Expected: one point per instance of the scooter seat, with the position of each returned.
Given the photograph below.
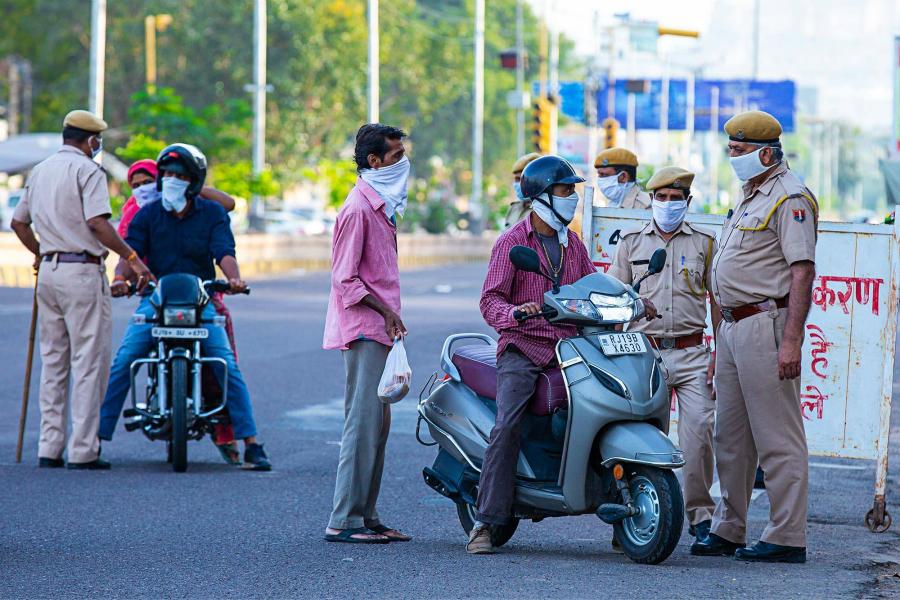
(477, 367)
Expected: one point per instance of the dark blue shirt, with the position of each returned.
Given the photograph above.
(188, 245)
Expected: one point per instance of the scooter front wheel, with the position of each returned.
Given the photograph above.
(500, 534)
(650, 536)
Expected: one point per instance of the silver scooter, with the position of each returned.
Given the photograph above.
(594, 440)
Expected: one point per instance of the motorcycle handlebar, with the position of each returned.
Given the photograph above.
(220, 285)
(521, 316)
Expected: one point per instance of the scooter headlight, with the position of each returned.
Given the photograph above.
(179, 317)
(581, 307)
(614, 308)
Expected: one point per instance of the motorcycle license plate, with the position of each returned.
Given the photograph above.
(617, 344)
(180, 333)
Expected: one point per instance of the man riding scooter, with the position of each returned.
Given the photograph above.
(183, 233)
(525, 349)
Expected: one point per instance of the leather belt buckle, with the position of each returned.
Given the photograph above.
(668, 343)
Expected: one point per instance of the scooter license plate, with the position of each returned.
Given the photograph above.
(617, 344)
(179, 333)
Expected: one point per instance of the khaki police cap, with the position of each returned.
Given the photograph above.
(523, 161)
(85, 120)
(671, 177)
(616, 157)
(753, 127)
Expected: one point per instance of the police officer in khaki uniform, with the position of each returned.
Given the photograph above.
(617, 179)
(762, 278)
(679, 295)
(521, 206)
(67, 200)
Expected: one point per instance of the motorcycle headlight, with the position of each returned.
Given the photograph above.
(614, 308)
(179, 317)
(582, 307)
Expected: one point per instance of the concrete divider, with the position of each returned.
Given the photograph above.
(263, 255)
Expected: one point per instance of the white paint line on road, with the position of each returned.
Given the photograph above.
(838, 466)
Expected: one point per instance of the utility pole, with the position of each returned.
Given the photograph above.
(475, 208)
(12, 111)
(520, 79)
(153, 24)
(755, 39)
(373, 62)
(259, 107)
(554, 80)
(714, 151)
(98, 57)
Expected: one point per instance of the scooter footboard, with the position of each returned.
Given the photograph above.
(639, 443)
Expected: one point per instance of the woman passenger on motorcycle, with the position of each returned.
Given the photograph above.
(142, 175)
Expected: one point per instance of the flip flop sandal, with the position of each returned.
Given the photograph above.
(383, 530)
(346, 536)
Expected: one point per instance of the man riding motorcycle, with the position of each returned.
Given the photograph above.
(525, 349)
(183, 233)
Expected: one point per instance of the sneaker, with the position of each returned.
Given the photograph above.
(480, 540)
(51, 463)
(255, 458)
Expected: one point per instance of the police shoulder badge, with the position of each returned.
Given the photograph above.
(799, 215)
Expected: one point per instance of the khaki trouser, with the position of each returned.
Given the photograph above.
(758, 415)
(76, 331)
(696, 415)
(367, 423)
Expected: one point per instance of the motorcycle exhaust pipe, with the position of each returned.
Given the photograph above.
(614, 513)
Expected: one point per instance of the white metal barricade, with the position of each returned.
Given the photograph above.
(848, 354)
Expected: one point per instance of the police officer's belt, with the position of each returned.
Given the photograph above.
(72, 257)
(677, 343)
(733, 315)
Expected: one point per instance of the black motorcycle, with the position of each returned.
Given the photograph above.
(180, 403)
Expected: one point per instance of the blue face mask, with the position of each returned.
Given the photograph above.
(517, 186)
(173, 194)
(145, 194)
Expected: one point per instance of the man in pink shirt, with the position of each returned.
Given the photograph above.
(363, 321)
(526, 348)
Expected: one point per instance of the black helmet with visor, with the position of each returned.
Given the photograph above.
(183, 159)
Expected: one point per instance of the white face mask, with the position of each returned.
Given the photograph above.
(669, 215)
(748, 166)
(390, 182)
(565, 206)
(517, 187)
(614, 191)
(145, 194)
(173, 190)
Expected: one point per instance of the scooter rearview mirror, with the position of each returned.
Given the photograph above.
(525, 259)
(657, 261)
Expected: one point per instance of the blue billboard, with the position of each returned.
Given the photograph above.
(735, 95)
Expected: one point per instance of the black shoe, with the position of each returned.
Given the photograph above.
(713, 545)
(95, 465)
(760, 482)
(50, 463)
(255, 458)
(766, 552)
(701, 529)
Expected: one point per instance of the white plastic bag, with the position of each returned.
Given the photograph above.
(395, 380)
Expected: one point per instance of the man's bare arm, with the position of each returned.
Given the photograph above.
(802, 275)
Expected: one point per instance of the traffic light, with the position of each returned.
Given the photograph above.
(611, 128)
(543, 125)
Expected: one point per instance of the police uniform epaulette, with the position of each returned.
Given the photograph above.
(632, 230)
(703, 231)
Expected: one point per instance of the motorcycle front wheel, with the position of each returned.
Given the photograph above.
(179, 368)
(500, 534)
(650, 536)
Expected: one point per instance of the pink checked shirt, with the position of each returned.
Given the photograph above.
(506, 287)
(364, 261)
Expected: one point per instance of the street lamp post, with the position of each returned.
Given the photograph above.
(98, 57)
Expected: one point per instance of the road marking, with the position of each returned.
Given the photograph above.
(329, 416)
(838, 466)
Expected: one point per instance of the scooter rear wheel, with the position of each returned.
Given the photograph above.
(650, 536)
(500, 534)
